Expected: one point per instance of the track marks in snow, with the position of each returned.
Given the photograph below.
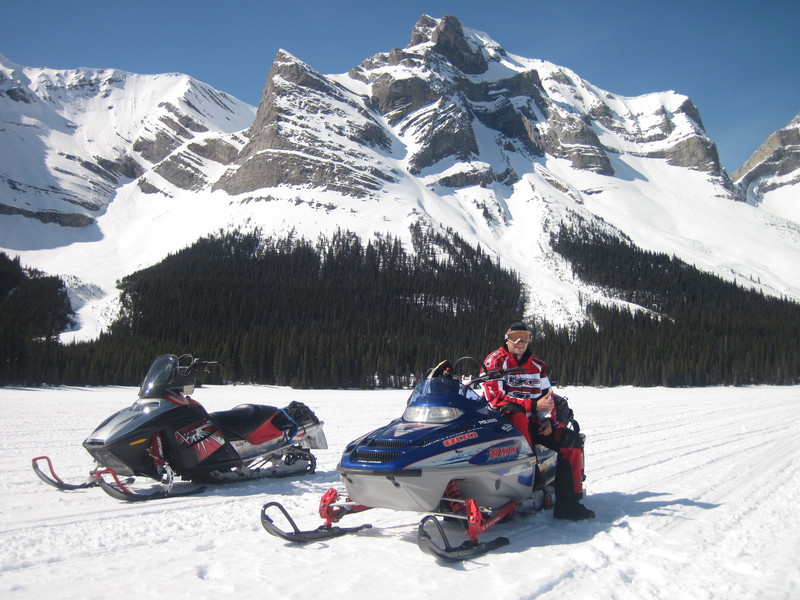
(695, 493)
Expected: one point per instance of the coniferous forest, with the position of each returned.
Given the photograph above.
(696, 330)
(339, 312)
(335, 313)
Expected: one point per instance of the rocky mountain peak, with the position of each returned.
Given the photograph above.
(774, 165)
(448, 40)
(304, 133)
(422, 31)
(434, 97)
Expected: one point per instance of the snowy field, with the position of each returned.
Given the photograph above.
(695, 492)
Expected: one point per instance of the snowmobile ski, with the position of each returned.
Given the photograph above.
(55, 480)
(323, 532)
(121, 491)
(467, 551)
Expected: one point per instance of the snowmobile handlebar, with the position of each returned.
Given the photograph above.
(195, 365)
(493, 374)
(446, 370)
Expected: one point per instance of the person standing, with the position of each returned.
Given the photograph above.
(526, 399)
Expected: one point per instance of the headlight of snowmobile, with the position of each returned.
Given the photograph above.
(145, 407)
(431, 414)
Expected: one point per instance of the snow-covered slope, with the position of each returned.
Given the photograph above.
(92, 130)
(693, 500)
(451, 131)
(81, 154)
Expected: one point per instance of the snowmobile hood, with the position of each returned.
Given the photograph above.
(473, 433)
(135, 418)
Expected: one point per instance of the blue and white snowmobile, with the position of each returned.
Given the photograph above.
(451, 455)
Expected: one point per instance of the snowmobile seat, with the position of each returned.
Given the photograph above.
(241, 421)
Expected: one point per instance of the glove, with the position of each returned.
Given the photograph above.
(545, 403)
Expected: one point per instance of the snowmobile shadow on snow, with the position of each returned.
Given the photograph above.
(289, 486)
(618, 505)
(610, 509)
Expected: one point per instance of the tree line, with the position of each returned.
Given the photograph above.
(335, 313)
(34, 310)
(340, 312)
(693, 329)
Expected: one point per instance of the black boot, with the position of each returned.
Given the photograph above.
(572, 511)
(568, 501)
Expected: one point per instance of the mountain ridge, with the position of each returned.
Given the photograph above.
(452, 131)
(100, 128)
(771, 176)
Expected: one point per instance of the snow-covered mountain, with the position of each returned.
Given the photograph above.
(105, 172)
(70, 139)
(454, 110)
(771, 177)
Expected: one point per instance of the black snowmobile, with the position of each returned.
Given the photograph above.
(166, 433)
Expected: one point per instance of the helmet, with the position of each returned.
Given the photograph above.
(517, 326)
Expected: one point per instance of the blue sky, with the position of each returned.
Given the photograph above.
(738, 60)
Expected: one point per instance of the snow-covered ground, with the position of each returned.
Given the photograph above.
(695, 492)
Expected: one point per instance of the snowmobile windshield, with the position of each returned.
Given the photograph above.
(158, 376)
(162, 373)
(441, 388)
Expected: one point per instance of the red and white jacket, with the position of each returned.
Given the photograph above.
(522, 388)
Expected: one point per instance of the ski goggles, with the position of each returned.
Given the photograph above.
(519, 338)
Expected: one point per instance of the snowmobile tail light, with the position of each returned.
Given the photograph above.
(431, 414)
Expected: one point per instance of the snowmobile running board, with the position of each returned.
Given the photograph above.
(321, 533)
(120, 491)
(55, 480)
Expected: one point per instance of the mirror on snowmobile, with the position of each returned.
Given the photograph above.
(443, 369)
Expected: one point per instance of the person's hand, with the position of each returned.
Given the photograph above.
(546, 428)
(546, 403)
